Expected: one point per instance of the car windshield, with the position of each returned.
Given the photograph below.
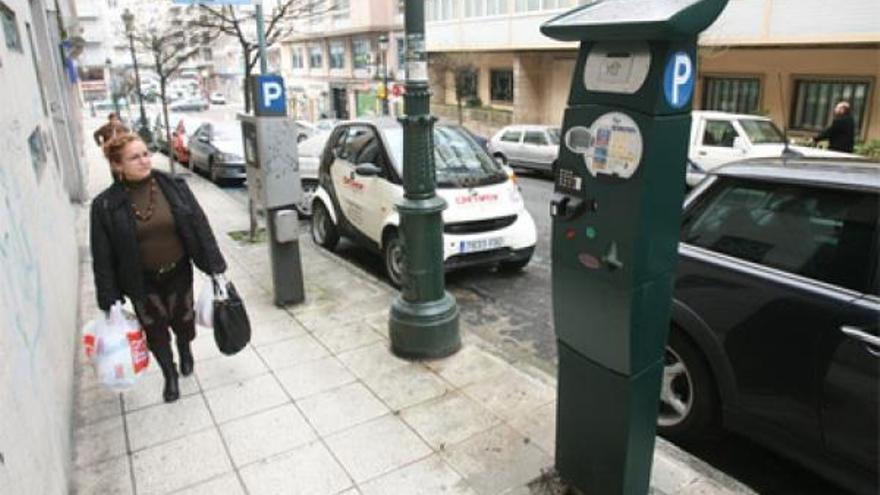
(226, 132)
(459, 161)
(554, 136)
(762, 131)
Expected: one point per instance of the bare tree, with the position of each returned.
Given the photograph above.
(169, 49)
(464, 74)
(279, 25)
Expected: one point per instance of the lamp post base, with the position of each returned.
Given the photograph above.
(424, 329)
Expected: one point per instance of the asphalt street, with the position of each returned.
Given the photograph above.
(514, 311)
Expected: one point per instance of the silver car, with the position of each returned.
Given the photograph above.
(526, 146)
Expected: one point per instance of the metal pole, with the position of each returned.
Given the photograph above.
(385, 109)
(424, 317)
(261, 37)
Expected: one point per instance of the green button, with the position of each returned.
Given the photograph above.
(591, 232)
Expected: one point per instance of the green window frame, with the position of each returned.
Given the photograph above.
(814, 99)
(732, 94)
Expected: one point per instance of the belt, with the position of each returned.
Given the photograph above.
(165, 270)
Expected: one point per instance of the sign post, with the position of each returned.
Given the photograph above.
(274, 183)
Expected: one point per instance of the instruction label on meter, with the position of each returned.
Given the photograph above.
(611, 146)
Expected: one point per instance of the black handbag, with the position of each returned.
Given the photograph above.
(232, 330)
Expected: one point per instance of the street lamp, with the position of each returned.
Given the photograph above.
(143, 128)
(111, 85)
(383, 52)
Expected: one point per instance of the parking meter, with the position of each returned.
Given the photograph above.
(616, 209)
(273, 181)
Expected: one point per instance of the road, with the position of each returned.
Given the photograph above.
(514, 311)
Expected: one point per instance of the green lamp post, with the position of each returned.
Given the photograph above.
(424, 318)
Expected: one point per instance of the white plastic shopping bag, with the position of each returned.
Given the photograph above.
(205, 305)
(117, 347)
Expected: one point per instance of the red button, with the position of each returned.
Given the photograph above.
(570, 233)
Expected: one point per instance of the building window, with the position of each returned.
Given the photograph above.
(342, 9)
(10, 28)
(732, 94)
(337, 55)
(296, 58)
(527, 5)
(501, 88)
(316, 57)
(473, 8)
(360, 53)
(466, 83)
(814, 100)
(496, 7)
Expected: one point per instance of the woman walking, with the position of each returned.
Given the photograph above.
(146, 232)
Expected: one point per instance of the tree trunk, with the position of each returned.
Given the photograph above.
(162, 81)
(460, 116)
(252, 211)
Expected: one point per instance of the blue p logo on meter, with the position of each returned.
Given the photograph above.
(678, 80)
(270, 96)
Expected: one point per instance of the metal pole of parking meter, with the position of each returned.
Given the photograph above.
(424, 317)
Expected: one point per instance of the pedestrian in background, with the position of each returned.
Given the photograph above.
(114, 127)
(146, 231)
(841, 133)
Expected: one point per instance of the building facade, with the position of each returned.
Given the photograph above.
(788, 59)
(335, 66)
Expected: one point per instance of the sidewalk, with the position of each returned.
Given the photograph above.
(317, 404)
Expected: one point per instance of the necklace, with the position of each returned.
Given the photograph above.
(151, 207)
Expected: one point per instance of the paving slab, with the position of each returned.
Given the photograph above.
(266, 434)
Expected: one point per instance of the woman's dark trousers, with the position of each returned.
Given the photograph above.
(169, 303)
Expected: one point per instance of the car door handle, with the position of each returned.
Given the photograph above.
(871, 341)
(703, 153)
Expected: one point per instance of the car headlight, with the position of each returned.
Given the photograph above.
(230, 157)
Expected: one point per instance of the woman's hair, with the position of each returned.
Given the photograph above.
(114, 146)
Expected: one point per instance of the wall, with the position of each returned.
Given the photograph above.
(774, 64)
(38, 275)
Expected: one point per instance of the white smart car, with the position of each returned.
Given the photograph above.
(360, 181)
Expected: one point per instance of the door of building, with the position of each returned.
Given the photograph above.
(340, 102)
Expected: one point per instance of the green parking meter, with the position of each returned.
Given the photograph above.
(616, 209)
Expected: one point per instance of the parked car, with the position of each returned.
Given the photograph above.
(486, 222)
(309, 153)
(190, 104)
(526, 146)
(776, 312)
(217, 98)
(216, 149)
(326, 124)
(305, 130)
(719, 137)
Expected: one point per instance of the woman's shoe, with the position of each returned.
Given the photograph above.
(186, 359)
(171, 392)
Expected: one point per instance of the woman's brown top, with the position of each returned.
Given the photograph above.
(156, 232)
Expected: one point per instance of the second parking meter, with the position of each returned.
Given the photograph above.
(616, 210)
(273, 182)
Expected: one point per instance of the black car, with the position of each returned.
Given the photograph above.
(776, 311)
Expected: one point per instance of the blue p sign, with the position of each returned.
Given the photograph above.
(678, 79)
(270, 97)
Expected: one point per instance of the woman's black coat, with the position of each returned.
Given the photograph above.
(115, 251)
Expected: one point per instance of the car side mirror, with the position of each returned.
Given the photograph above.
(740, 144)
(368, 170)
(204, 139)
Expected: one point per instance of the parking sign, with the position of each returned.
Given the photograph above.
(269, 98)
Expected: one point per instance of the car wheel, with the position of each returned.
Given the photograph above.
(323, 230)
(689, 402)
(392, 255)
(304, 207)
(500, 156)
(514, 266)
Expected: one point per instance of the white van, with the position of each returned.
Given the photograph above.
(360, 181)
(719, 137)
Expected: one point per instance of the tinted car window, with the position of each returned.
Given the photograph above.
(719, 133)
(825, 234)
(511, 136)
(536, 138)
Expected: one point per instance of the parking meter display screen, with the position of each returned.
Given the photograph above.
(602, 12)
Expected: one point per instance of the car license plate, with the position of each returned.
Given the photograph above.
(480, 244)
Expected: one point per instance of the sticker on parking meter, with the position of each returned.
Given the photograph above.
(611, 146)
(678, 80)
